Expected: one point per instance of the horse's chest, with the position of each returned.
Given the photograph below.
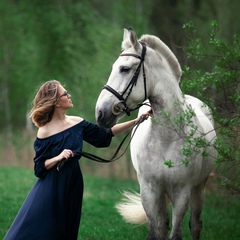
(159, 151)
(150, 156)
(149, 150)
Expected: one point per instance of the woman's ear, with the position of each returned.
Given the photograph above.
(57, 105)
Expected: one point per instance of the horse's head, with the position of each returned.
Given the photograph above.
(146, 69)
(126, 87)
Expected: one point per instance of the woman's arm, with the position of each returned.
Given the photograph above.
(66, 153)
(122, 127)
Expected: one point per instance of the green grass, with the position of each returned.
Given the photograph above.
(100, 221)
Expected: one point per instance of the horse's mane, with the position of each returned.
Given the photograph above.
(156, 44)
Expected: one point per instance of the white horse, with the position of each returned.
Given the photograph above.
(180, 134)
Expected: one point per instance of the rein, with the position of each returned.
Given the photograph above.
(123, 100)
(132, 83)
(102, 160)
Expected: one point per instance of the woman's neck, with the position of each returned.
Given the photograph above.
(59, 116)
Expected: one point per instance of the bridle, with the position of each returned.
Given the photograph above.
(123, 101)
(132, 83)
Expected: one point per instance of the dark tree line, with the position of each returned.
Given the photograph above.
(76, 42)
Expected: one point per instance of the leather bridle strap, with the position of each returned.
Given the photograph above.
(132, 83)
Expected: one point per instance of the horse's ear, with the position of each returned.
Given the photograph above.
(134, 40)
(126, 34)
(130, 35)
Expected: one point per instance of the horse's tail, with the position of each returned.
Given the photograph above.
(131, 208)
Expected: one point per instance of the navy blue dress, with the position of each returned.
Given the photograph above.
(52, 209)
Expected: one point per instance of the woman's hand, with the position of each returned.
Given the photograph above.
(121, 127)
(144, 116)
(66, 153)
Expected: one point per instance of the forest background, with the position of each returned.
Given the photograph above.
(76, 42)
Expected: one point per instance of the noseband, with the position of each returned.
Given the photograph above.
(132, 83)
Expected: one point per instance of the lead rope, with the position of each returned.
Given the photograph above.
(114, 157)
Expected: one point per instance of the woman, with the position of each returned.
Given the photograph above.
(52, 210)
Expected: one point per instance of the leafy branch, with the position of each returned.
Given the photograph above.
(218, 85)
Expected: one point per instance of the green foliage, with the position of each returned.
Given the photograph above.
(169, 163)
(75, 42)
(194, 143)
(218, 85)
(214, 77)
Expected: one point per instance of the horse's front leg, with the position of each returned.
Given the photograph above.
(196, 204)
(154, 203)
(180, 201)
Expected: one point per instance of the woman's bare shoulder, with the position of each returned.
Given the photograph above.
(43, 132)
(74, 119)
(52, 128)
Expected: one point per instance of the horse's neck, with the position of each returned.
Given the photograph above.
(167, 100)
(166, 109)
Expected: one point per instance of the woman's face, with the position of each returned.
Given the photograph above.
(64, 99)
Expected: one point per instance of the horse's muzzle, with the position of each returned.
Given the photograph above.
(105, 120)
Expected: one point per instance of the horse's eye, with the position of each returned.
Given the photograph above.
(124, 69)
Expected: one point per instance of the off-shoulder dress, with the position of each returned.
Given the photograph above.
(52, 209)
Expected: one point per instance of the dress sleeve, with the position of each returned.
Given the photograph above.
(42, 153)
(97, 136)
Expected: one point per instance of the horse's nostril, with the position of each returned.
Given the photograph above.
(116, 109)
(99, 115)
